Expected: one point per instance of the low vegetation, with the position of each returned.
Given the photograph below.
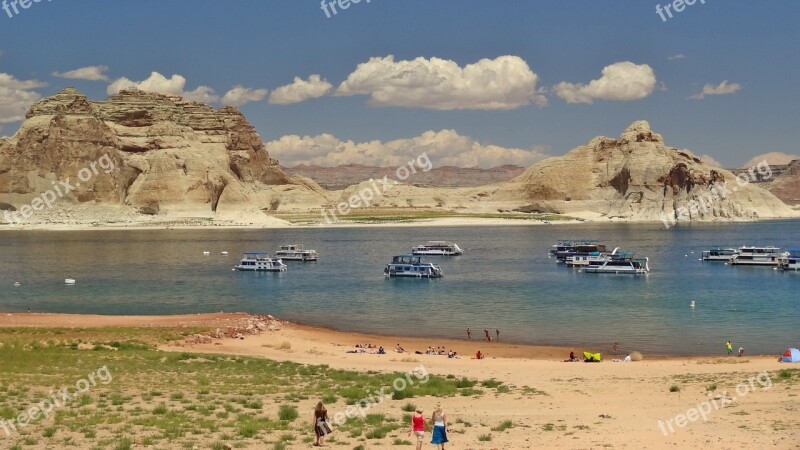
(186, 400)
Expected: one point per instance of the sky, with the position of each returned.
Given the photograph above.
(471, 83)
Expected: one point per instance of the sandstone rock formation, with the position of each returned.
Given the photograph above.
(637, 177)
(786, 185)
(169, 156)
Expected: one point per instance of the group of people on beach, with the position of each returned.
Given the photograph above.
(417, 426)
(486, 334)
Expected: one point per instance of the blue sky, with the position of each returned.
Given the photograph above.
(265, 44)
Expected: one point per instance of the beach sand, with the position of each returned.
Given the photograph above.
(552, 404)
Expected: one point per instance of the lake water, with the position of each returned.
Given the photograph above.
(504, 280)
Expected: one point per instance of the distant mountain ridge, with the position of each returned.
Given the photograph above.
(340, 177)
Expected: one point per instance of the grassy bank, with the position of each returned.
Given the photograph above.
(184, 400)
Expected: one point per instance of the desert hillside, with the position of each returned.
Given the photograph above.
(143, 153)
(144, 156)
(340, 177)
(638, 177)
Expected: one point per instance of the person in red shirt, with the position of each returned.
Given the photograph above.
(418, 426)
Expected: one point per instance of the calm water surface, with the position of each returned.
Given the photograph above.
(505, 280)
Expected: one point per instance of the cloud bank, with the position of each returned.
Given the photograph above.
(445, 148)
(503, 83)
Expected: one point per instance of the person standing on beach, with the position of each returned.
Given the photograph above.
(486, 333)
(418, 427)
(469, 333)
(729, 347)
(439, 419)
(321, 427)
(497, 332)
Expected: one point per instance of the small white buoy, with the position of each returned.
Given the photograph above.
(692, 305)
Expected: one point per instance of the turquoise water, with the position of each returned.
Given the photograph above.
(505, 280)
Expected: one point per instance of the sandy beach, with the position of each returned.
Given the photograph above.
(553, 404)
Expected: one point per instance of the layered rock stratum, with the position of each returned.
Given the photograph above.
(786, 185)
(638, 177)
(170, 157)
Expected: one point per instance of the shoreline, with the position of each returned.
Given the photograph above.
(334, 336)
(276, 223)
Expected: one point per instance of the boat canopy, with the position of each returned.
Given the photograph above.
(406, 259)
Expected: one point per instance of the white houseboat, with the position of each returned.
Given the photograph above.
(260, 262)
(620, 265)
(295, 252)
(587, 260)
(758, 256)
(437, 248)
(719, 254)
(411, 266)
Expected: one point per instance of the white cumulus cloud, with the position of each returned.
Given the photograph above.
(300, 90)
(239, 95)
(444, 148)
(723, 88)
(503, 83)
(622, 81)
(161, 84)
(91, 73)
(16, 96)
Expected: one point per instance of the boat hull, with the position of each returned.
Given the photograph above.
(411, 275)
(435, 253)
(261, 269)
(754, 262)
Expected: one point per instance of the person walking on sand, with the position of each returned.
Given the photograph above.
(439, 419)
(418, 427)
(469, 333)
(729, 347)
(321, 427)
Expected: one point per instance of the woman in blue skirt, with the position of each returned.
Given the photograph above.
(439, 419)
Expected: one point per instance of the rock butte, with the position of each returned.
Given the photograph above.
(177, 159)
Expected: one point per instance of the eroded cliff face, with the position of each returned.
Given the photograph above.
(786, 186)
(637, 177)
(168, 155)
